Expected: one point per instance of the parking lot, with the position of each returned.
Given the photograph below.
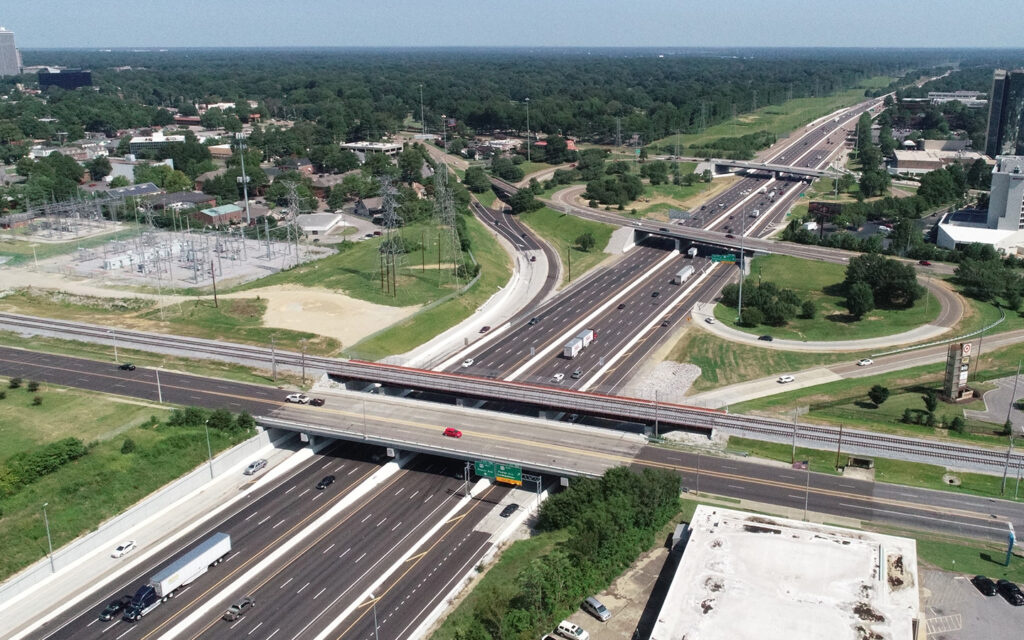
(955, 610)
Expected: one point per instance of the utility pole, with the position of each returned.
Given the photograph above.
(1009, 450)
(528, 145)
(423, 122)
(743, 233)
(214, 277)
(49, 540)
(243, 179)
(839, 445)
(273, 357)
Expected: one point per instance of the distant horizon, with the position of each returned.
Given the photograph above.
(855, 24)
(159, 48)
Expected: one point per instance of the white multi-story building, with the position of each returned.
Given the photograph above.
(10, 57)
(155, 141)
(1003, 226)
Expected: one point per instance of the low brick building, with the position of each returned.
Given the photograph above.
(221, 216)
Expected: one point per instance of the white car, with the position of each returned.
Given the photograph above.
(709, 320)
(865, 362)
(636, 223)
(255, 466)
(123, 549)
(299, 398)
(785, 379)
(468, 362)
(558, 377)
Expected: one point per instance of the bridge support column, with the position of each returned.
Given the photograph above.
(472, 403)
(550, 414)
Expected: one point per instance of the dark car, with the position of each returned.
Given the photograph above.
(730, 236)
(924, 263)
(114, 608)
(1010, 592)
(316, 402)
(662, 229)
(533, 321)
(127, 367)
(509, 510)
(655, 294)
(622, 305)
(984, 585)
(765, 337)
(664, 323)
(326, 482)
(485, 328)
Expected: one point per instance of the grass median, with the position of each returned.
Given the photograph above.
(561, 231)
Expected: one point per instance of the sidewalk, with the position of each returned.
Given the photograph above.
(64, 589)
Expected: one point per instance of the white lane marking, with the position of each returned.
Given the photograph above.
(273, 634)
(286, 583)
(290, 490)
(360, 557)
(344, 552)
(278, 524)
(251, 515)
(125, 633)
(304, 492)
(319, 592)
(368, 516)
(328, 548)
(255, 628)
(381, 522)
(735, 486)
(262, 521)
(396, 526)
(303, 587)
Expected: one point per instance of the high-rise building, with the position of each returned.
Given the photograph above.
(1006, 201)
(1006, 114)
(10, 57)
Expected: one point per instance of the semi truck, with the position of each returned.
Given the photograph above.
(692, 252)
(181, 572)
(579, 343)
(683, 275)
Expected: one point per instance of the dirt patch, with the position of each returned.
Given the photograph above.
(324, 312)
(896, 573)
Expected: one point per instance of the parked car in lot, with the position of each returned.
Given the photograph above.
(985, 585)
(509, 510)
(239, 609)
(255, 466)
(115, 607)
(127, 367)
(1010, 592)
(297, 398)
(571, 631)
(325, 482)
(594, 607)
(863, 362)
(123, 549)
(468, 362)
(452, 432)
(785, 379)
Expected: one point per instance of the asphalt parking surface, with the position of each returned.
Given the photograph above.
(955, 610)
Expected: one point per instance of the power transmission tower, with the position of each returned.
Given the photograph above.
(444, 209)
(392, 248)
(618, 132)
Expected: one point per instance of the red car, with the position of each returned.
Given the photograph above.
(924, 263)
(452, 432)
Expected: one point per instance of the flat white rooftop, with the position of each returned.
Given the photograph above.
(759, 577)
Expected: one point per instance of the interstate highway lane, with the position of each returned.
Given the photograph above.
(256, 524)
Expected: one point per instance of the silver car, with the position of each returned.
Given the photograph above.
(594, 607)
(255, 466)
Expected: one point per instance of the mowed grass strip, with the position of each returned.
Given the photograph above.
(495, 271)
(778, 119)
(561, 230)
(821, 282)
(723, 362)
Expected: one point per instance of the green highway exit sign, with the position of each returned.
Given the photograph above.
(506, 473)
(725, 257)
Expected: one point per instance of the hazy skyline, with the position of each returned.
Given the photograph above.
(529, 23)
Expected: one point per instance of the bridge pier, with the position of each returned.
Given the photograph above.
(472, 403)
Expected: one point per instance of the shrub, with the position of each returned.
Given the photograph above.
(878, 394)
(3, 394)
(37, 400)
(14, 383)
(908, 417)
(32, 387)
(28, 466)
(128, 446)
(957, 424)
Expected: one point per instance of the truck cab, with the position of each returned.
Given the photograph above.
(145, 599)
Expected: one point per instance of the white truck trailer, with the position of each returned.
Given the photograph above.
(179, 573)
(692, 252)
(582, 340)
(683, 274)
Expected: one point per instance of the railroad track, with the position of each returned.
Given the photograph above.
(938, 452)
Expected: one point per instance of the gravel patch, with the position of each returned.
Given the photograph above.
(670, 380)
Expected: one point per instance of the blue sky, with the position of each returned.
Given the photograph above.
(597, 23)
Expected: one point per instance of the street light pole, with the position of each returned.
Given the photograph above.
(444, 131)
(209, 449)
(49, 541)
(113, 336)
(376, 635)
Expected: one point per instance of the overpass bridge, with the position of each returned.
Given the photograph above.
(501, 186)
(777, 169)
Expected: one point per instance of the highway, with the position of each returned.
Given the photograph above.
(257, 525)
(546, 446)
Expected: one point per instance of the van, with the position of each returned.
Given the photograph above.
(577, 373)
(571, 631)
(594, 607)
